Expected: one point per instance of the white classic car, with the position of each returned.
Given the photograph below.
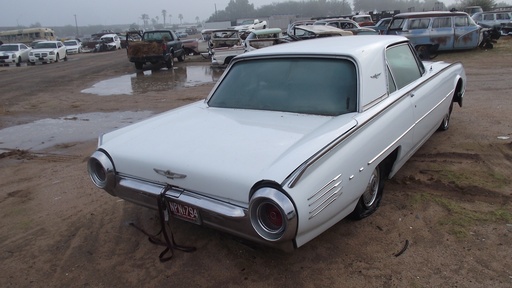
(47, 52)
(14, 53)
(292, 138)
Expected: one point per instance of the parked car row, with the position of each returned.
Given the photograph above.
(42, 52)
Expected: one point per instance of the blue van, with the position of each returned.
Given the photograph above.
(437, 30)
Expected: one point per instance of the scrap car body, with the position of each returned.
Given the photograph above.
(437, 30)
(224, 45)
(292, 138)
(258, 39)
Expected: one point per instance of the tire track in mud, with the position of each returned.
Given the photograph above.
(455, 174)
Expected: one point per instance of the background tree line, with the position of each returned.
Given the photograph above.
(238, 9)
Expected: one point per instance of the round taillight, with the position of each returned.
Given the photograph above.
(273, 215)
(270, 217)
(101, 170)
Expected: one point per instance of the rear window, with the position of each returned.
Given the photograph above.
(297, 85)
(158, 36)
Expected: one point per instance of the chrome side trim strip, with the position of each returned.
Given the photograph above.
(296, 175)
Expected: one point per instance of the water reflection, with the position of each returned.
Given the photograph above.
(48, 132)
(156, 80)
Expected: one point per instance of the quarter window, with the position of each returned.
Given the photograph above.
(461, 21)
(404, 66)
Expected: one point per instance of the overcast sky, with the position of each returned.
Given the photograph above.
(105, 12)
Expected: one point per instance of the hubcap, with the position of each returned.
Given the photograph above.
(370, 194)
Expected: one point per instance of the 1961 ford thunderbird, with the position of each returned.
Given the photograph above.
(292, 139)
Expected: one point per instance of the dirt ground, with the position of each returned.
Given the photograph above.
(449, 207)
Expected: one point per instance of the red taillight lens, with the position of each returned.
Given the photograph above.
(164, 47)
(271, 217)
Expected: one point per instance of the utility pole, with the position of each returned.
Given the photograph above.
(76, 25)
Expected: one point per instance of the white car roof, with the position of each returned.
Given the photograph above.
(351, 46)
(367, 51)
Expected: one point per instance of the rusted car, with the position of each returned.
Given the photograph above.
(264, 38)
(434, 31)
(224, 45)
(316, 31)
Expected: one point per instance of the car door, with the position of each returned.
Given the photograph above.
(24, 50)
(442, 32)
(409, 76)
(467, 33)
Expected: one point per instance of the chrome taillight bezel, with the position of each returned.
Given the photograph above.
(101, 170)
(271, 196)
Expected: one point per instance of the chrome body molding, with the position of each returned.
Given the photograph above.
(325, 196)
(213, 213)
(294, 178)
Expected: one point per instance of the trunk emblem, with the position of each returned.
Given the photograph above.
(169, 174)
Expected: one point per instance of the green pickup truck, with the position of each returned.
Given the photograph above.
(156, 46)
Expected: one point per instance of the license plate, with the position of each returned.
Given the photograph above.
(184, 212)
(41, 58)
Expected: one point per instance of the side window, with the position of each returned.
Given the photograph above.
(404, 66)
(419, 23)
(461, 21)
(445, 22)
(502, 16)
(489, 17)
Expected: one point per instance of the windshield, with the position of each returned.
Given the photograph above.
(70, 43)
(297, 85)
(9, 48)
(45, 45)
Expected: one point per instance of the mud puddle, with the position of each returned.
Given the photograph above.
(156, 80)
(45, 133)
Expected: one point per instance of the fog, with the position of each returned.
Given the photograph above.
(100, 12)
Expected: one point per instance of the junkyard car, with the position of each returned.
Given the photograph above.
(345, 24)
(437, 30)
(382, 26)
(316, 31)
(224, 45)
(251, 25)
(263, 38)
(108, 42)
(292, 138)
(73, 46)
(14, 53)
(47, 52)
(495, 19)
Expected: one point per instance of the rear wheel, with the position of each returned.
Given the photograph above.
(370, 200)
(445, 124)
(66, 57)
(181, 58)
(169, 63)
